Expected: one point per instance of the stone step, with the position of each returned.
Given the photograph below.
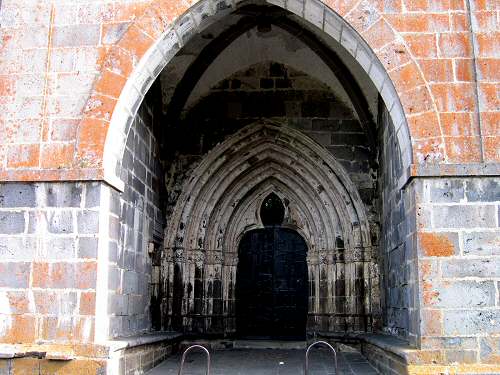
(268, 344)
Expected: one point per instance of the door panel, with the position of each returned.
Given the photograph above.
(271, 284)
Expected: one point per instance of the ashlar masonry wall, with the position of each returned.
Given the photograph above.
(459, 267)
(76, 258)
(397, 258)
(48, 267)
(136, 234)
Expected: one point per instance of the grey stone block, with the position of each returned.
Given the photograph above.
(139, 186)
(115, 203)
(118, 304)
(451, 342)
(462, 216)
(466, 294)
(130, 282)
(34, 221)
(352, 139)
(483, 190)
(136, 304)
(59, 221)
(114, 278)
(485, 268)
(59, 248)
(489, 349)
(114, 228)
(14, 274)
(17, 248)
(481, 243)
(129, 261)
(446, 191)
(113, 251)
(87, 247)
(17, 195)
(116, 326)
(88, 222)
(471, 322)
(11, 222)
(130, 239)
(93, 195)
(64, 195)
(140, 171)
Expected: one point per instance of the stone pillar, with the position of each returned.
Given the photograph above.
(459, 268)
(49, 235)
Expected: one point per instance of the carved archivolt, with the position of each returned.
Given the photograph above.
(221, 200)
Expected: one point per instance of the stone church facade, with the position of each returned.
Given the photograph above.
(140, 142)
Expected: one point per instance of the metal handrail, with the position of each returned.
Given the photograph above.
(193, 347)
(306, 369)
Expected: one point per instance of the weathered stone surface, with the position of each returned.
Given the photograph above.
(14, 274)
(18, 248)
(60, 221)
(450, 342)
(87, 247)
(17, 195)
(460, 356)
(481, 243)
(485, 268)
(93, 195)
(489, 350)
(479, 190)
(471, 322)
(88, 222)
(440, 244)
(447, 191)
(461, 216)
(118, 304)
(64, 195)
(11, 222)
(59, 248)
(465, 294)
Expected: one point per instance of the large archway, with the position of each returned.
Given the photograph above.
(110, 115)
(317, 141)
(221, 202)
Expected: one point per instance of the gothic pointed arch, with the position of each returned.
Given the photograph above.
(224, 196)
(221, 202)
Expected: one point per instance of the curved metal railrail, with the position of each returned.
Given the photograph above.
(188, 350)
(306, 367)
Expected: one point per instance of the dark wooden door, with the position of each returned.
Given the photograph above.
(272, 285)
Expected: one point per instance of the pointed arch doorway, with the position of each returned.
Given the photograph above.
(211, 244)
(272, 279)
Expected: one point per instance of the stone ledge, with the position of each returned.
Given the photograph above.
(128, 342)
(53, 351)
(455, 170)
(66, 352)
(56, 352)
(392, 344)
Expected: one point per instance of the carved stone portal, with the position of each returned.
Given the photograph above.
(222, 201)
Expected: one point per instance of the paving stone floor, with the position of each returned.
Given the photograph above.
(267, 362)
